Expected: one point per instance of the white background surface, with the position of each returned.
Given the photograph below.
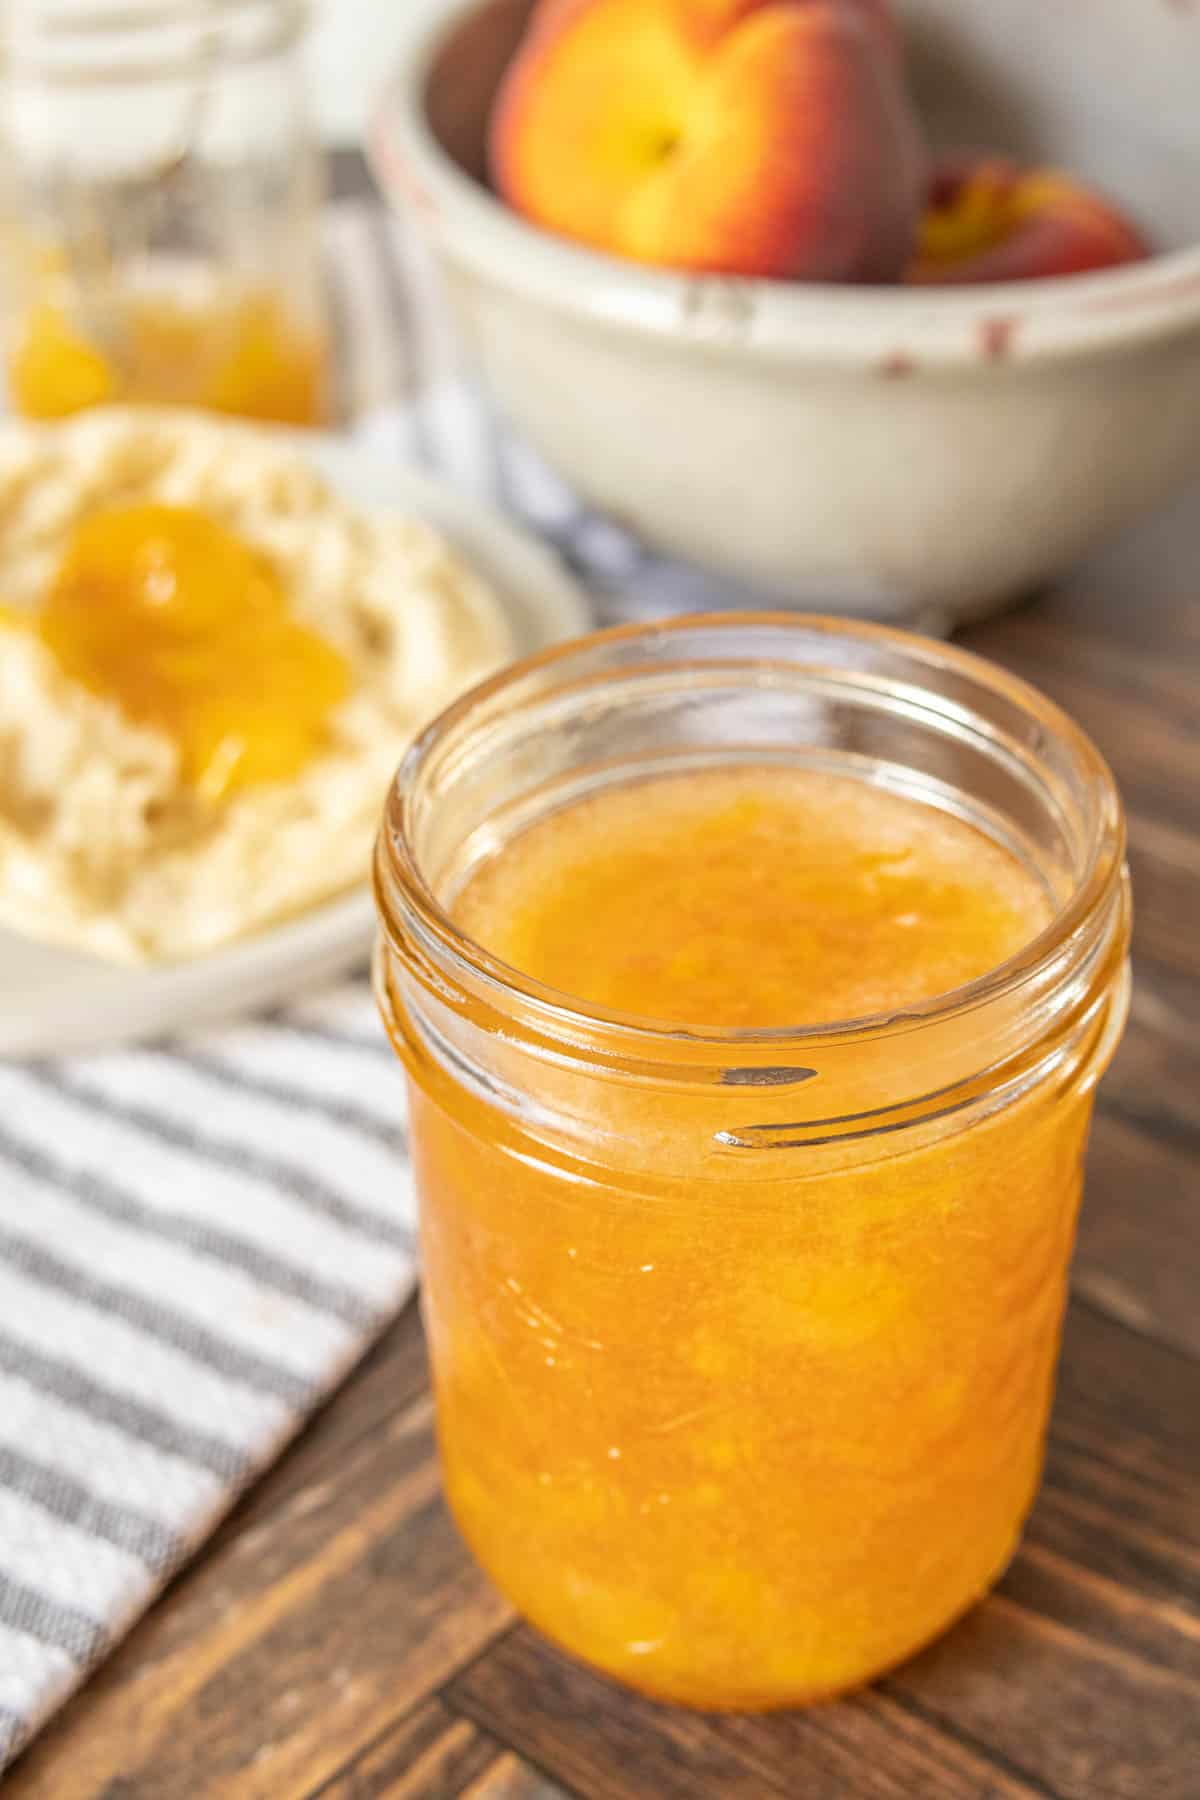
(352, 45)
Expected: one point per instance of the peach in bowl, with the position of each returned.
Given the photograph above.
(923, 451)
(752, 137)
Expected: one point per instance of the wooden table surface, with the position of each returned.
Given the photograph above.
(335, 1638)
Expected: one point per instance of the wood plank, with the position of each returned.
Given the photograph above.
(1124, 1458)
(1142, 707)
(1138, 1253)
(1155, 1075)
(1141, 1195)
(336, 1601)
(434, 1754)
(511, 1779)
(427, 1753)
(1150, 740)
(1139, 591)
(1164, 863)
(1046, 648)
(1084, 1721)
(1079, 1679)
(615, 1745)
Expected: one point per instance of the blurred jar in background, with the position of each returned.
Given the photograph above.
(159, 195)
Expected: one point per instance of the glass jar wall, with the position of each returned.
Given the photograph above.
(160, 190)
(743, 1340)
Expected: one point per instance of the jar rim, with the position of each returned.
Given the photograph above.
(400, 885)
(84, 43)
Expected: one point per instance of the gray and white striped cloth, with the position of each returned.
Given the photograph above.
(197, 1242)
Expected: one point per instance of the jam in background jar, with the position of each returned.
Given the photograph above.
(159, 193)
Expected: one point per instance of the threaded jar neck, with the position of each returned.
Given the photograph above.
(921, 718)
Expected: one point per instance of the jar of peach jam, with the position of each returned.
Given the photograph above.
(159, 194)
(752, 976)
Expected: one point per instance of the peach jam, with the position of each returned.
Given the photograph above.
(752, 976)
(246, 355)
(166, 612)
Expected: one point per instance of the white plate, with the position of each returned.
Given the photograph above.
(54, 1000)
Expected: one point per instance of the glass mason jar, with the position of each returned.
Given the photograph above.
(159, 194)
(744, 1341)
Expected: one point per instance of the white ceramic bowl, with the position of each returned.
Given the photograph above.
(892, 451)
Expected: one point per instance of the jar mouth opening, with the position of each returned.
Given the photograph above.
(404, 892)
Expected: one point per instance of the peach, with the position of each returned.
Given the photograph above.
(986, 219)
(751, 137)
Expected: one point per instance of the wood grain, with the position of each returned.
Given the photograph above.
(1141, 1195)
(1164, 860)
(431, 1754)
(512, 1779)
(1124, 1454)
(1155, 1075)
(427, 1752)
(611, 1745)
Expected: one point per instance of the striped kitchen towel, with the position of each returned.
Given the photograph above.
(195, 1246)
